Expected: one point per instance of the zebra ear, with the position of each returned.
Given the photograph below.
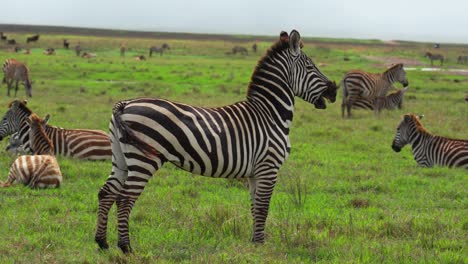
(295, 42)
(45, 120)
(420, 117)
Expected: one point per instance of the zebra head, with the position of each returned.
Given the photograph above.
(404, 129)
(398, 74)
(307, 81)
(28, 85)
(15, 146)
(11, 121)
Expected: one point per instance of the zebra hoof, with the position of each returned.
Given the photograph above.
(102, 243)
(126, 248)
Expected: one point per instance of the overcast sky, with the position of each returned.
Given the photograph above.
(421, 20)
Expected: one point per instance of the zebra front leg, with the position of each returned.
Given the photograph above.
(16, 87)
(263, 191)
(107, 196)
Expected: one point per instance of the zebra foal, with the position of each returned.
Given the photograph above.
(248, 139)
(391, 101)
(40, 170)
(15, 71)
(430, 150)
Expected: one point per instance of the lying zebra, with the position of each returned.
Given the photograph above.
(428, 149)
(40, 170)
(389, 102)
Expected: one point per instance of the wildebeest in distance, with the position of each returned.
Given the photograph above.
(66, 44)
(11, 42)
(32, 38)
(2, 36)
(254, 47)
(239, 49)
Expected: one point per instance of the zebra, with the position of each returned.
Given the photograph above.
(248, 139)
(40, 170)
(78, 49)
(430, 150)
(15, 71)
(15, 146)
(239, 49)
(160, 50)
(49, 51)
(254, 47)
(34, 38)
(88, 55)
(75, 143)
(462, 59)
(66, 44)
(434, 57)
(390, 101)
(123, 48)
(367, 85)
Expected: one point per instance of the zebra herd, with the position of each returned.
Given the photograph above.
(245, 140)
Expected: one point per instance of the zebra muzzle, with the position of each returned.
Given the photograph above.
(396, 148)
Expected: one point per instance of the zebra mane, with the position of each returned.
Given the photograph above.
(37, 121)
(418, 123)
(398, 65)
(21, 105)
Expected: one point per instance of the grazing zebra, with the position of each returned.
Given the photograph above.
(428, 149)
(248, 139)
(239, 49)
(159, 50)
(32, 38)
(75, 143)
(367, 85)
(66, 44)
(15, 71)
(462, 59)
(390, 101)
(434, 57)
(40, 170)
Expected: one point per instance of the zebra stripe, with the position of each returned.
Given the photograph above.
(40, 170)
(15, 71)
(390, 102)
(430, 150)
(75, 143)
(248, 139)
(358, 84)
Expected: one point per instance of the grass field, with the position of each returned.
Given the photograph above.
(343, 195)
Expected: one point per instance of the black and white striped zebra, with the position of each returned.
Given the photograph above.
(160, 50)
(360, 84)
(391, 101)
(433, 57)
(75, 143)
(430, 150)
(15, 71)
(248, 139)
(40, 170)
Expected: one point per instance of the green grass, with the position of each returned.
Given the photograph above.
(343, 196)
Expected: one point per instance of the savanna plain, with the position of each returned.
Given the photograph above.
(343, 195)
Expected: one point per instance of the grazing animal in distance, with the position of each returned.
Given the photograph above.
(15, 71)
(87, 144)
(34, 38)
(66, 44)
(78, 49)
(430, 150)
(248, 139)
(11, 42)
(433, 57)
(40, 170)
(2, 36)
(239, 49)
(254, 47)
(88, 55)
(391, 101)
(360, 84)
(123, 48)
(155, 49)
(140, 58)
(462, 59)
(49, 51)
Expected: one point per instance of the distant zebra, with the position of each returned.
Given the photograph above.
(11, 42)
(430, 150)
(389, 102)
(66, 44)
(78, 49)
(34, 38)
(248, 139)
(40, 170)
(361, 84)
(88, 55)
(155, 49)
(462, 59)
(254, 47)
(434, 57)
(75, 143)
(15, 71)
(239, 49)
(123, 48)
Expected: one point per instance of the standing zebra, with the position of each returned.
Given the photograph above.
(434, 57)
(159, 50)
(390, 102)
(74, 143)
(40, 170)
(367, 85)
(15, 71)
(123, 48)
(428, 149)
(248, 139)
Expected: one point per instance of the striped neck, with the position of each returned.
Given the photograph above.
(391, 73)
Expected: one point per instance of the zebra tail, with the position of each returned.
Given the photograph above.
(127, 136)
(345, 89)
